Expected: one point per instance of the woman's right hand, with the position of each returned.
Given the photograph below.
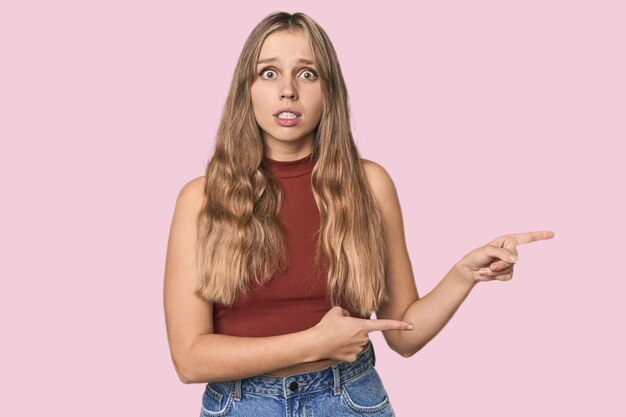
(341, 337)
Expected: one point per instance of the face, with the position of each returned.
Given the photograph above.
(286, 78)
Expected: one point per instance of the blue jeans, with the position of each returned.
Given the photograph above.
(341, 389)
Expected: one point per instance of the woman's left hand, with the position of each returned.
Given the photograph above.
(493, 261)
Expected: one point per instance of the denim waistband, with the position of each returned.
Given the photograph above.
(333, 376)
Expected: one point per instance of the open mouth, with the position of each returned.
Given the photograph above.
(287, 118)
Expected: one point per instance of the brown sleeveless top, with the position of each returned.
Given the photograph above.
(296, 299)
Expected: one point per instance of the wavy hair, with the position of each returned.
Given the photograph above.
(240, 235)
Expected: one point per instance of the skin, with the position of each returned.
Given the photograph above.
(287, 83)
(407, 321)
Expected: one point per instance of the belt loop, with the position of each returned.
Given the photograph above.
(238, 389)
(337, 379)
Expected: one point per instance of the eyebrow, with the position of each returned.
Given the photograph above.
(274, 59)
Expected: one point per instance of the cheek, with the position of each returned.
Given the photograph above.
(319, 106)
(315, 102)
(320, 99)
(257, 98)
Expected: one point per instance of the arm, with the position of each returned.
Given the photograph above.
(198, 354)
(428, 314)
(218, 357)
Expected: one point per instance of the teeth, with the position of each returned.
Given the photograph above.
(287, 115)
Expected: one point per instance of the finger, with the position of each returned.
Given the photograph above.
(500, 265)
(386, 324)
(503, 271)
(522, 238)
(505, 277)
(487, 272)
(503, 254)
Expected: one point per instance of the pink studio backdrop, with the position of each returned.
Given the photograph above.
(492, 117)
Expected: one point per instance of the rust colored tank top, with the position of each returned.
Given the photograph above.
(295, 299)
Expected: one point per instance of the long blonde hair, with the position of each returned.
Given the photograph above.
(240, 235)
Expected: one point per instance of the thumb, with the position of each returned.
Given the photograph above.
(501, 253)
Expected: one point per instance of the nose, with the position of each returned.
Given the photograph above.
(288, 89)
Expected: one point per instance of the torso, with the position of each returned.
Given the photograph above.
(304, 367)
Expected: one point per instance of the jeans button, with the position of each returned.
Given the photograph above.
(293, 386)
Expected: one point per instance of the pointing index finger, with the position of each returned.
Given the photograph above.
(528, 237)
(387, 324)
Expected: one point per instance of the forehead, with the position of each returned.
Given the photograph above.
(286, 46)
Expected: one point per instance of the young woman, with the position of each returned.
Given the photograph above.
(280, 253)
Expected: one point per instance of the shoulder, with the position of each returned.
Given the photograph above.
(379, 180)
(193, 186)
(192, 190)
(374, 170)
(190, 197)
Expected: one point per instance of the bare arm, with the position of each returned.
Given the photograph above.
(496, 259)
(198, 354)
(432, 312)
(218, 357)
(428, 314)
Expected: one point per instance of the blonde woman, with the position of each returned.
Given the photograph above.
(280, 253)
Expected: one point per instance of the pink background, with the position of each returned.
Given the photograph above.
(492, 117)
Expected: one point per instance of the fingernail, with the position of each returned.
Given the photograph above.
(512, 258)
(482, 271)
(410, 327)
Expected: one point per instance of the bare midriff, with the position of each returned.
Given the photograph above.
(303, 367)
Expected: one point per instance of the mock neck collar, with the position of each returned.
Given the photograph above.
(289, 169)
